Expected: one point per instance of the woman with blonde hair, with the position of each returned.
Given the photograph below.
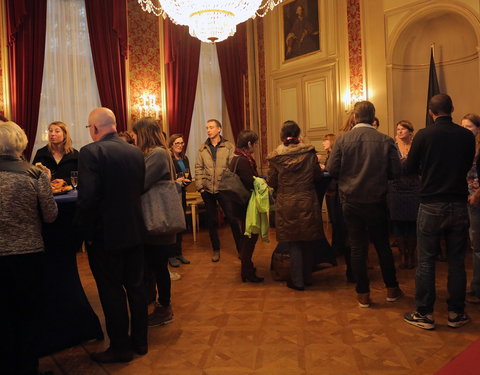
(58, 155)
(158, 248)
(350, 123)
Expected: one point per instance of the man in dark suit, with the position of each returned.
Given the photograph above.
(111, 177)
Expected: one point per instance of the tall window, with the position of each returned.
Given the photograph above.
(69, 88)
(209, 101)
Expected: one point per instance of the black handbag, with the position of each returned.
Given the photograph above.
(232, 186)
(162, 207)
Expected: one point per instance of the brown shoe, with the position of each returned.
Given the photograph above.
(216, 256)
(364, 299)
(112, 355)
(394, 294)
(160, 316)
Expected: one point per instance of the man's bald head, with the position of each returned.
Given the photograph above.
(101, 121)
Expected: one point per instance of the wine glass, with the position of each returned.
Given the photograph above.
(186, 174)
(74, 179)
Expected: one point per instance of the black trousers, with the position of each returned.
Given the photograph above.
(340, 243)
(362, 220)
(21, 279)
(212, 219)
(248, 246)
(156, 273)
(119, 278)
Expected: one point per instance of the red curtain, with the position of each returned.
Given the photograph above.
(107, 28)
(26, 27)
(232, 59)
(182, 58)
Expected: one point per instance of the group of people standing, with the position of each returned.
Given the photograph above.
(374, 177)
(420, 184)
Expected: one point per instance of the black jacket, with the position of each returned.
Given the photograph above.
(442, 154)
(61, 170)
(362, 161)
(111, 176)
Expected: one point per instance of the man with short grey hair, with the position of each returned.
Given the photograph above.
(109, 215)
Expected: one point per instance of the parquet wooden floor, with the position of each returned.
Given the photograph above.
(225, 327)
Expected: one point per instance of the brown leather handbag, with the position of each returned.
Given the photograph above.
(280, 263)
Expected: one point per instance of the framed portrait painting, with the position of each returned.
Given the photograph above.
(301, 29)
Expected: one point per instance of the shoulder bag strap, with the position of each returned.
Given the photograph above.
(236, 164)
(170, 165)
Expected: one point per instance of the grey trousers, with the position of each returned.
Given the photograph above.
(301, 258)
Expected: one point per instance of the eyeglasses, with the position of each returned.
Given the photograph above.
(88, 126)
(179, 143)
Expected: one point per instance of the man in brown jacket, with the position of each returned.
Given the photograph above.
(213, 158)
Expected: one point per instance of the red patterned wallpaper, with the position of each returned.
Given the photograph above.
(144, 57)
(2, 77)
(355, 49)
(263, 90)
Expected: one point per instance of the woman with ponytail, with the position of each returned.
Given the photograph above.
(293, 171)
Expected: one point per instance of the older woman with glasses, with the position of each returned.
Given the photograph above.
(176, 145)
(26, 201)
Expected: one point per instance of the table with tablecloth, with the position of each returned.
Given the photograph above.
(68, 319)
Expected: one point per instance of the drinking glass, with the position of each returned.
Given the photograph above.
(74, 179)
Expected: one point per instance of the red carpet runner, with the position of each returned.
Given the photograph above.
(466, 363)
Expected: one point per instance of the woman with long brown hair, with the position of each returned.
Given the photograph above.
(335, 214)
(58, 155)
(150, 139)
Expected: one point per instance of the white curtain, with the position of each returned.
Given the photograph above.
(69, 87)
(208, 99)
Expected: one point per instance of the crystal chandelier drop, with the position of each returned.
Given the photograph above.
(209, 20)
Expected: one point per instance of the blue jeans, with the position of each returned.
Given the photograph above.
(435, 219)
(474, 215)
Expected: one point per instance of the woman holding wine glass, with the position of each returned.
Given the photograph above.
(58, 155)
(176, 145)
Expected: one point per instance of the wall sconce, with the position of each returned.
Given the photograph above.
(149, 107)
(349, 100)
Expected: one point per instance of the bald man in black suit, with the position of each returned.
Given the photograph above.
(111, 178)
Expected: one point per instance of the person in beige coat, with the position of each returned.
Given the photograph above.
(213, 158)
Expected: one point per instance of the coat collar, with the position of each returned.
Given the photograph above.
(291, 149)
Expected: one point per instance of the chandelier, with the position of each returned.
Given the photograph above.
(209, 20)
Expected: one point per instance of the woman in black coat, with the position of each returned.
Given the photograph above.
(58, 155)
